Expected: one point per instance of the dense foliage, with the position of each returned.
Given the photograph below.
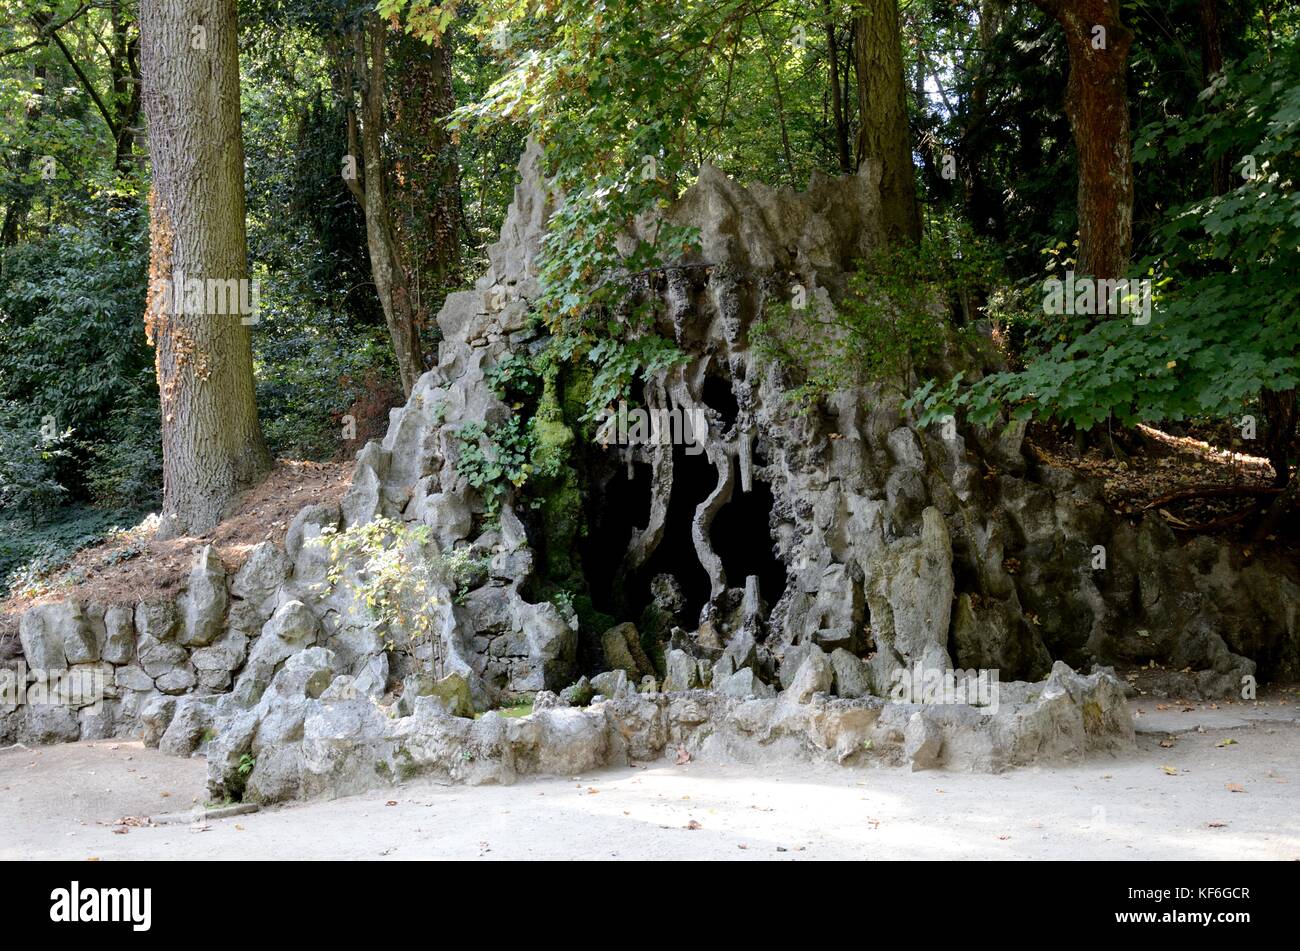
(629, 99)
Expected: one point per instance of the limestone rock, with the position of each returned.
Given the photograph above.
(192, 719)
(57, 635)
(852, 676)
(203, 604)
(261, 575)
(155, 717)
(683, 672)
(912, 593)
(923, 743)
(44, 723)
(119, 634)
(622, 646)
(744, 684)
(578, 694)
(157, 620)
(815, 675)
(451, 693)
(612, 684)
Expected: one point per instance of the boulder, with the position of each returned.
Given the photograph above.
(261, 575)
(683, 672)
(119, 634)
(852, 675)
(922, 742)
(190, 724)
(815, 675)
(157, 620)
(622, 647)
(743, 685)
(203, 604)
(155, 717)
(45, 723)
(293, 623)
(132, 678)
(612, 684)
(161, 657)
(57, 635)
(578, 694)
(451, 693)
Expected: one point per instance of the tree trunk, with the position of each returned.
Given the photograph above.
(386, 266)
(426, 168)
(1281, 416)
(20, 202)
(837, 98)
(124, 74)
(1212, 63)
(882, 103)
(212, 444)
(1096, 103)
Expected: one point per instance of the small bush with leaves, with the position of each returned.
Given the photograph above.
(889, 326)
(395, 575)
(397, 572)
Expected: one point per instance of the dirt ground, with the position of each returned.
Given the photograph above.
(1198, 796)
(133, 565)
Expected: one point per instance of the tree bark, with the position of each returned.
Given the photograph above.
(426, 167)
(1096, 103)
(882, 104)
(211, 441)
(20, 202)
(1211, 64)
(837, 98)
(386, 264)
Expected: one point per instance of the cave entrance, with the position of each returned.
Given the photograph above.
(694, 478)
(742, 537)
(619, 508)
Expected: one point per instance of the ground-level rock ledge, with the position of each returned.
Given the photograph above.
(347, 744)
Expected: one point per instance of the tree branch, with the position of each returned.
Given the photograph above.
(43, 32)
(85, 82)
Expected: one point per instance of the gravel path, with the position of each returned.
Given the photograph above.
(1200, 798)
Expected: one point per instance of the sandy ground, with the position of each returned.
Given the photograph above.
(1199, 798)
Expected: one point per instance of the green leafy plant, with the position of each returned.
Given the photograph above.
(1225, 328)
(890, 324)
(394, 572)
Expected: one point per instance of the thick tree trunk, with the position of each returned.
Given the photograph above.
(426, 167)
(386, 265)
(1096, 103)
(882, 103)
(212, 444)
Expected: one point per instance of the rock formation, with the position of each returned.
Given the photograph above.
(802, 565)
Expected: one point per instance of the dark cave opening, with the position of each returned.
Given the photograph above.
(694, 477)
(619, 508)
(742, 537)
(718, 395)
